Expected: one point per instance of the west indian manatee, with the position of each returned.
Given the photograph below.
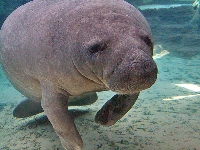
(60, 52)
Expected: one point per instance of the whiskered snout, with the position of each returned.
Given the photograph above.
(135, 73)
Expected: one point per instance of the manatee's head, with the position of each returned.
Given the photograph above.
(114, 47)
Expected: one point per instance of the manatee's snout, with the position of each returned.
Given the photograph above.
(137, 71)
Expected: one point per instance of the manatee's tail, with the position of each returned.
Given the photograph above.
(27, 108)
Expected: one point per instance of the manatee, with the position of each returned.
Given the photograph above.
(59, 53)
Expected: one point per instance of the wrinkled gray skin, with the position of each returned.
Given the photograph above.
(53, 50)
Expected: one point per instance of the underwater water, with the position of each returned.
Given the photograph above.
(165, 116)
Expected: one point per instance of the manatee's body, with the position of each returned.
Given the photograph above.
(54, 49)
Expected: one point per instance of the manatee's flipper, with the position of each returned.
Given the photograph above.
(27, 108)
(84, 99)
(115, 109)
(55, 105)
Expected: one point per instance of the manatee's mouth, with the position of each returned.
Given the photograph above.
(133, 75)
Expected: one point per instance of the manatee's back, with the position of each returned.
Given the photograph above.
(27, 43)
(27, 35)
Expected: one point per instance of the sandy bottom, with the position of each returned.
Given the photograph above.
(166, 116)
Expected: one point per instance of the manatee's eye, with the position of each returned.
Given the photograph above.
(97, 48)
(147, 40)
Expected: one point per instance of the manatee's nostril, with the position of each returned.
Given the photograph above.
(137, 66)
(148, 66)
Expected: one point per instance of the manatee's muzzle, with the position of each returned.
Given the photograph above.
(136, 72)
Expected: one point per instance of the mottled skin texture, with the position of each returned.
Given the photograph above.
(54, 49)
